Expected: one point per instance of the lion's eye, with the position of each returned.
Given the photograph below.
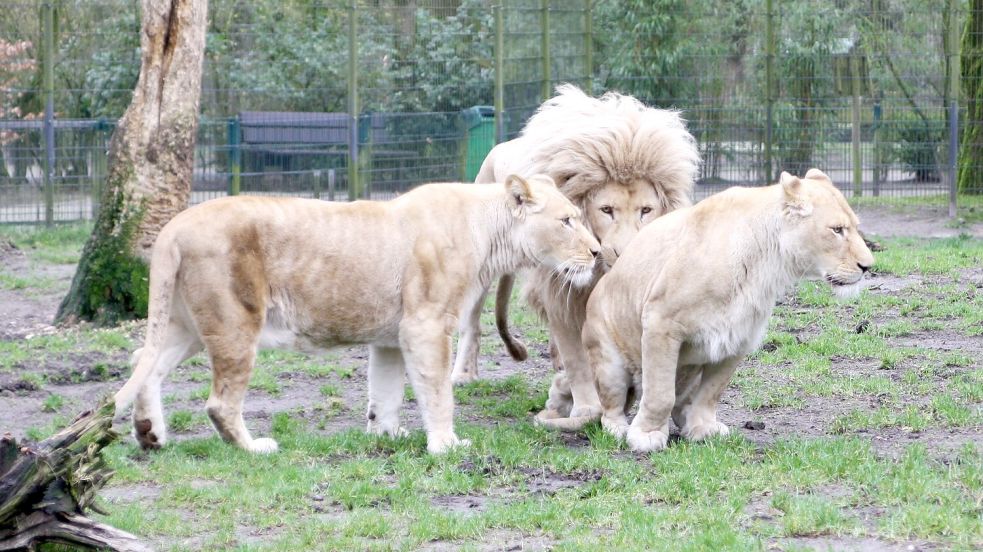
(838, 230)
(565, 221)
(646, 210)
(607, 210)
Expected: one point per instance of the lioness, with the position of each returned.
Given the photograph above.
(624, 164)
(234, 274)
(692, 294)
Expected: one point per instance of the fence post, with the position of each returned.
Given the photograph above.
(99, 164)
(589, 46)
(354, 186)
(48, 76)
(544, 31)
(769, 88)
(499, 74)
(953, 84)
(331, 178)
(235, 159)
(877, 147)
(858, 174)
(317, 183)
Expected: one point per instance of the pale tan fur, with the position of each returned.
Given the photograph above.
(235, 274)
(624, 164)
(692, 294)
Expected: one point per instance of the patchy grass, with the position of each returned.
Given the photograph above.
(872, 409)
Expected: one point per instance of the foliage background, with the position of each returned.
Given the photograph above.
(421, 62)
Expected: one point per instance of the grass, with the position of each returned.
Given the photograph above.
(891, 365)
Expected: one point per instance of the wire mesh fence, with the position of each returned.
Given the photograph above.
(340, 99)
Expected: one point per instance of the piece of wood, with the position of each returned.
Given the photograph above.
(45, 489)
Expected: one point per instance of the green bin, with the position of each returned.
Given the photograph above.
(480, 124)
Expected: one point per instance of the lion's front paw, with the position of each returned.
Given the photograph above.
(445, 444)
(618, 427)
(699, 432)
(394, 431)
(646, 441)
(591, 412)
(264, 445)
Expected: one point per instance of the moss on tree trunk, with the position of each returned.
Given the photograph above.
(969, 174)
(111, 282)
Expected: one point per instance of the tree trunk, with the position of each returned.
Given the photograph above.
(151, 157)
(45, 490)
(969, 175)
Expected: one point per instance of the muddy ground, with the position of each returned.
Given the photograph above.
(80, 376)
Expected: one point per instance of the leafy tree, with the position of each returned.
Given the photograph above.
(970, 169)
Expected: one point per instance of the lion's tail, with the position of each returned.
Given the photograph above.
(164, 263)
(502, 296)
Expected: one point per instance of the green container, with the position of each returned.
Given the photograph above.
(480, 124)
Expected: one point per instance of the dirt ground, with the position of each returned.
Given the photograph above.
(80, 376)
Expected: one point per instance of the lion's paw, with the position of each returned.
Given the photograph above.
(646, 441)
(699, 432)
(618, 427)
(263, 445)
(591, 412)
(444, 445)
(394, 431)
(463, 377)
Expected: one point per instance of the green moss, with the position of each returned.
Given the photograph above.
(111, 283)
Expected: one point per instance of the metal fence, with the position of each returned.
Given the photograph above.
(861, 88)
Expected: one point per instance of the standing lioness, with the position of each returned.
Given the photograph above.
(692, 294)
(235, 274)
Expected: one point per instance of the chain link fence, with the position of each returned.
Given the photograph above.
(367, 98)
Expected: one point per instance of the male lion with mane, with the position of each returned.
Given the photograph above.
(692, 294)
(235, 274)
(624, 164)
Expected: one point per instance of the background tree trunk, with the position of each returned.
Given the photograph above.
(969, 175)
(151, 157)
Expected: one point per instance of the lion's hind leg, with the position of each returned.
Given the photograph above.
(387, 378)
(613, 380)
(230, 379)
(701, 414)
(149, 427)
(469, 343)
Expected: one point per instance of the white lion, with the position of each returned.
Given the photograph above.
(235, 274)
(624, 164)
(692, 293)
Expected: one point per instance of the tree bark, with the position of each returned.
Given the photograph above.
(969, 174)
(151, 160)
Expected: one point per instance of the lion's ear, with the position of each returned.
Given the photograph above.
(816, 174)
(520, 192)
(795, 200)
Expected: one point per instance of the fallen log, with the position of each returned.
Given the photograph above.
(45, 490)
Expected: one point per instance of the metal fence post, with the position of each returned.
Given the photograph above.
(953, 84)
(544, 31)
(589, 46)
(235, 159)
(99, 164)
(48, 76)
(858, 174)
(769, 88)
(499, 74)
(877, 147)
(354, 186)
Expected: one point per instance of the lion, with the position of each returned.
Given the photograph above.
(624, 164)
(692, 294)
(235, 274)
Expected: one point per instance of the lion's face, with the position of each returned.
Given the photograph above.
(617, 211)
(829, 234)
(552, 229)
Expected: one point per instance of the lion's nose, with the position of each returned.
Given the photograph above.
(865, 268)
(595, 252)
